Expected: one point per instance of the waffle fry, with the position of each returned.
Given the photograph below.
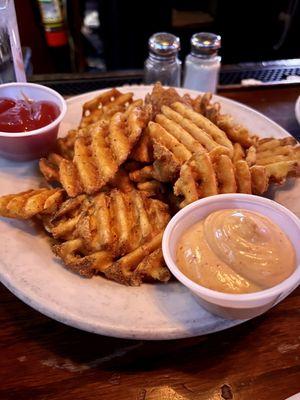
(101, 108)
(166, 139)
(271, 143)
(197, 133)
(143, 151)
(197, 179)
(225, 175)
(104, 106)
(202, 176)
(235, 132)
(97, 154)
(279, 171)
(177, 131)
(238, 153)
(160, 96)
(142, 264)
(62, 223)
(243, 177)
(114, 232)
(65, 145)
(251, 155)
(269, 151)
(205, 124)
(27, 204)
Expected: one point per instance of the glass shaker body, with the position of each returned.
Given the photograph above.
(11, 59)
(163, 63)
(202, 73)
(167, 71)
(202, 65)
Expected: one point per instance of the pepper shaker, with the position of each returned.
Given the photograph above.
(163, 63)
(202, 65)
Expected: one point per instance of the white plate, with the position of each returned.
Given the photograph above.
(29, 269)
(295, 397)
(297, 110)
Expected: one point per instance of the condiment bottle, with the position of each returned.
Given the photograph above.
(163, 63)
(202, 65)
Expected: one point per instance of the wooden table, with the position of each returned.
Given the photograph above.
(42, 359)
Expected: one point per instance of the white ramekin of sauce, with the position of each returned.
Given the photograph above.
(264, 291)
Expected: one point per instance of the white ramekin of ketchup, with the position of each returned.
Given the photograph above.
(30, 115)
(247, 258)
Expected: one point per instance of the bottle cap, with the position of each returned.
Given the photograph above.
(164, 44)
(205, 44)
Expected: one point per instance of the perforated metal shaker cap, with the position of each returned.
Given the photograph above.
(205, 43)
(164, 44)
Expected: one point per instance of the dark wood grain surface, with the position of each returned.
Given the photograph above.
(42, 359)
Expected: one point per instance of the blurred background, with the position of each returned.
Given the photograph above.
(93, 36)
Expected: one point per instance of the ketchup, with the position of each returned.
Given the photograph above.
(25, 115)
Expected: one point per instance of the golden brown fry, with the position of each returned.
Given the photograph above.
(104, 106)
(195, 131)
(201, 103)
(279, 171)
(259, 179)
(65, 145)
(161, 96)
(121, 271)
(217, 134)
(165, 120)
(251, 156)
(98, 153)
(63, 222)
(70, 253)
(225, 175)
(160, 135)
(217, 152)
(49, 167)
(110, 229)
(235, 132)
(197, 179)
(238, 153)
(271, 143)
(28, 204)
(243, 177)
(165, 167)
(186, 186)
(143, 149)
(152, 267)
(277, 158)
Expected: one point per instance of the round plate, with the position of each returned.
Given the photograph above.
(297, 110)
(151, 311)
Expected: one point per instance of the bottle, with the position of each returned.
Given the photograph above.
(163, 63)
(56, 34)
(11, 58)
(202, 65)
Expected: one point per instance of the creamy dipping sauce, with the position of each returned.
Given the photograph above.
(236, 251)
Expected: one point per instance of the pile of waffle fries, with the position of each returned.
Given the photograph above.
(130, 165)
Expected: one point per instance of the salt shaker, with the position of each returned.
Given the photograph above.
(163, 63)
(202, 65)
